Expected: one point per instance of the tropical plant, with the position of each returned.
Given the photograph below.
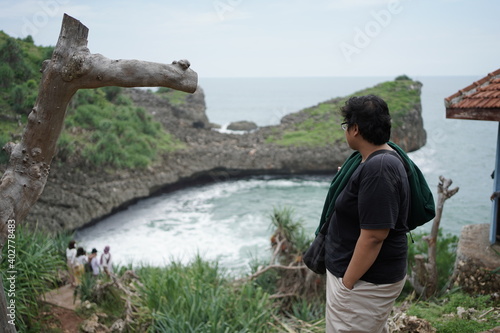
(445, 259)
(196, 298)
(30, 273)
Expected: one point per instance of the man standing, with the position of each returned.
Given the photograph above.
(366, 244)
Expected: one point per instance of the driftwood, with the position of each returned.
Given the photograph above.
(294, 279)
(72, 67)
(127, 285)
(123, 284)
(424, 277)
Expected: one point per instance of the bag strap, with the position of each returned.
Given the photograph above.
(324, 227)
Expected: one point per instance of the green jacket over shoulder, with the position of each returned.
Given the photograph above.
(422, 207)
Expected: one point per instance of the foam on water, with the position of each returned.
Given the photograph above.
(226, 221)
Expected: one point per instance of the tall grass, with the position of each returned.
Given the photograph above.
(196, 298)
(37, 261)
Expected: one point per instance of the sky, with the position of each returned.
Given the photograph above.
(279, 38)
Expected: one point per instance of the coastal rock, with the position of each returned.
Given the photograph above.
(191, 113)
(242, 126)
(411, 121)
(76, 195)
(402, 322)
(477, 261)
(92, 325)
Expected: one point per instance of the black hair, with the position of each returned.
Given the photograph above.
(371, 114)
(80, 252)
(71, 244)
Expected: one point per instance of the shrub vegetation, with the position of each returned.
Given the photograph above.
(202, 297)
(38, 259)
(174, 97)
(102, 127)
(321, 124)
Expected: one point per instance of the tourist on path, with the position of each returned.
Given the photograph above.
(80, 261)
(106, 262)
(94, 263)
(70, 261)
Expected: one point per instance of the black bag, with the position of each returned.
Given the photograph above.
(314, 257)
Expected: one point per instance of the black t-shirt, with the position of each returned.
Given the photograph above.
(376, 196)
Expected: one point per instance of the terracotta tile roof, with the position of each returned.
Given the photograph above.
(479, 101)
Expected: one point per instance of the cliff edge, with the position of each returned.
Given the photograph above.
(309, 141)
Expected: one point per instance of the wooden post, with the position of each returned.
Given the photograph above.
(71, 67)
(496, 188)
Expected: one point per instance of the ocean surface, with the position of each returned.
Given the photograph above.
(229, 222)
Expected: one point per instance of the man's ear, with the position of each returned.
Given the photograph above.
(354, 128)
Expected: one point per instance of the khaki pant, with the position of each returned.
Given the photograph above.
(71, 273)
(79, 270)
(365, 308)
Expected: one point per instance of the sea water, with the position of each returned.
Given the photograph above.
(229, 222)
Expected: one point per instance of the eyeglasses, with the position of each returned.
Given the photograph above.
(344, 126)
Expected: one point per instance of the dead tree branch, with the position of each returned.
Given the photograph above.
(425, 277)
(267, 268)
(72, 67)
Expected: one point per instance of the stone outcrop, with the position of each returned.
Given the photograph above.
(242, 126)
(76, 195)
(192, 112)
(477, 262)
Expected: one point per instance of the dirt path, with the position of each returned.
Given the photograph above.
(62, 297)
(62, 308)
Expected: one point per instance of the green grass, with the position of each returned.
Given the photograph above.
(197, 298)
(321, 128)
(201, 297)
(174, 97)
(38, 257)
(113, 135)
(442, 313)
(7, 130)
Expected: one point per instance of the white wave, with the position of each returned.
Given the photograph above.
(223, 129)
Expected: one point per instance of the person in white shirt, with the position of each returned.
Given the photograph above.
(94, 263)
(80, 261)
(106, 262)
(70, 261)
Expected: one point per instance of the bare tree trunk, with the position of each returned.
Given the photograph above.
(425, 279)
(71, 67)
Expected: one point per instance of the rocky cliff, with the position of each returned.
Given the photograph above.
(75, 196)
